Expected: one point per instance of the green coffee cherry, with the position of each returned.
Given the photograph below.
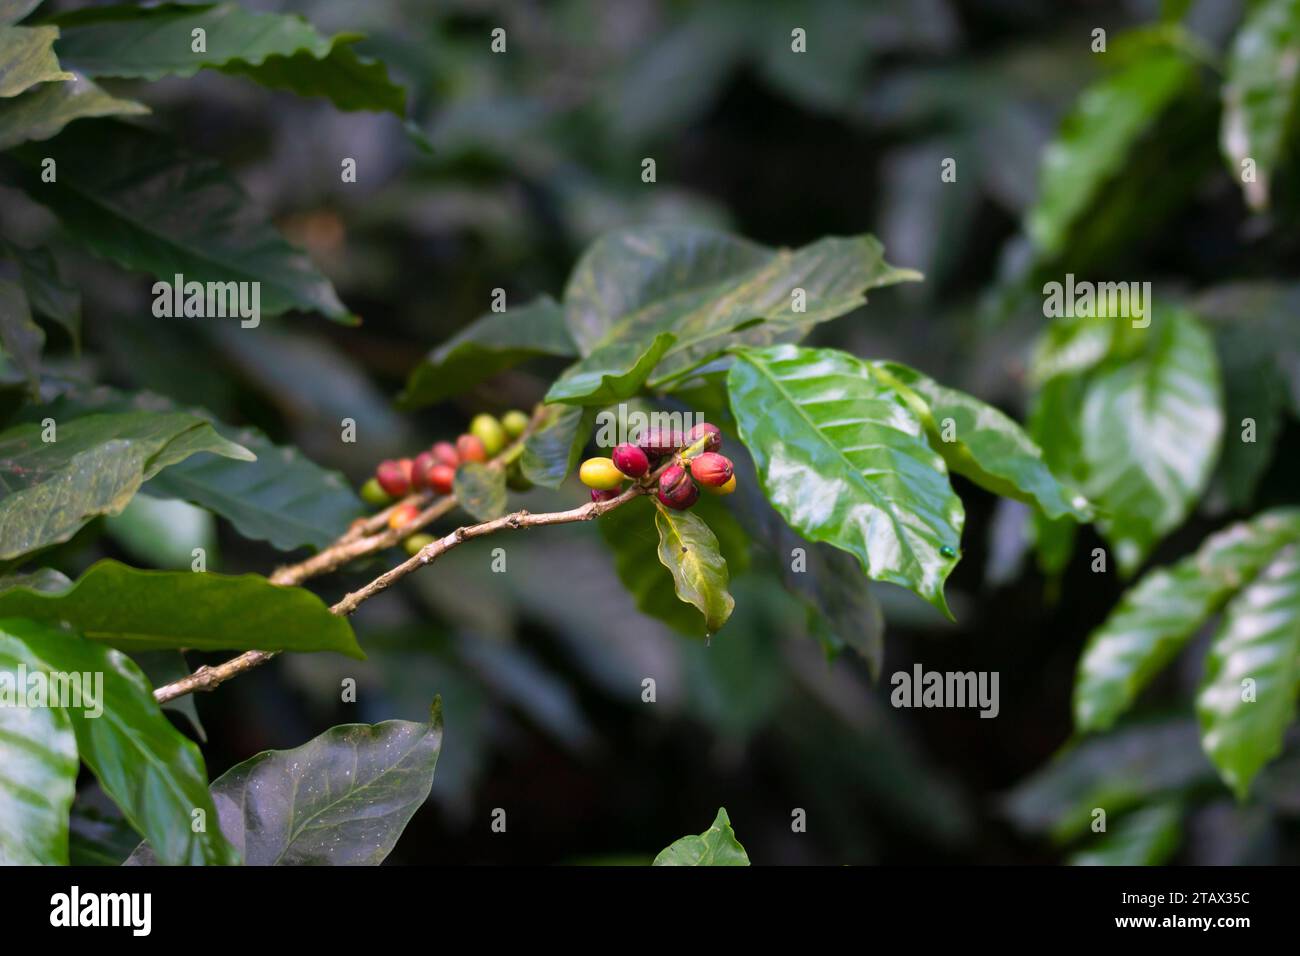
(373, 494)
(489, 431)
(415, 542)
(514, 422)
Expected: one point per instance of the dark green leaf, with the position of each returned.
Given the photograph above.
(552, 451)
(95, 466)
(716, 846)
(136, 610)
(1260, 94)
(1145, 837)
(490, 344)
(341, 799)
(277, 50)
(48, 293)
(1157, 616)
(1151, 429)
(845, 460)
(714, 291)
(98, 839)
(20, 337)
(611, 373)
(133, 198)
(143, 763)
(1243, 724)
(984, 445)
(38, 766)
(41, 112)
(1096, 140)
(481, 490)
(27, 58)
(689, 550)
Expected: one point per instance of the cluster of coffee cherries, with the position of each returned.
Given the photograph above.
(696, 464)
(435, 470)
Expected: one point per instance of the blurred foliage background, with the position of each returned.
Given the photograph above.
(535, 153)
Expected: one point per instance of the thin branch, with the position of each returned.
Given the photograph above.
(207, 678)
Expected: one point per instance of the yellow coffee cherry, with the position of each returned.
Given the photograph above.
(514, 422)
(723, 489)
(489, 431)
(416, 542)
(600, 473)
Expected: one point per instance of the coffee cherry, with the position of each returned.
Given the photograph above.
(711, 469)
(394, 477)
(514, 422)
(676, 489)
(416, 542)
(489, 432)
(600, 473)
(725, 489)
(630, 460)
(373, 494)
(420, 470)
(403, 515)
(701, 430)
(604, 494)
(441, 478)
(658, 442)
(446, 454)
(470, 448)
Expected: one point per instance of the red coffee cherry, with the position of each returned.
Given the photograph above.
(420, 470)
(403, 515)
(658, 442)
(445, 452)
(470, 448)
(630, 460)
(395, 477)
(441, 478)
(676, 489)
(712, 469)
(699, 431)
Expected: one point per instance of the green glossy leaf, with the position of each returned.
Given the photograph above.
(136, 610)
(1243, 724)
(38, 764)
(984, 445)
(714, 291)
(716, 846)
(27, 58)
(41, 112)
(280, 51)
(1151, 429)
(95, 466)
(1158, 615)
(148, 768)
(844, 459)
(48, 293)
(552, 451)
(282, 497)
(611, 373)
(135, 199)
(20, 337)
(1145, 837)
(1054, 424)
(1097, 138)
(488, 345)
(689, 550)
(1260, 94)
(481, 490)
(341, 799)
